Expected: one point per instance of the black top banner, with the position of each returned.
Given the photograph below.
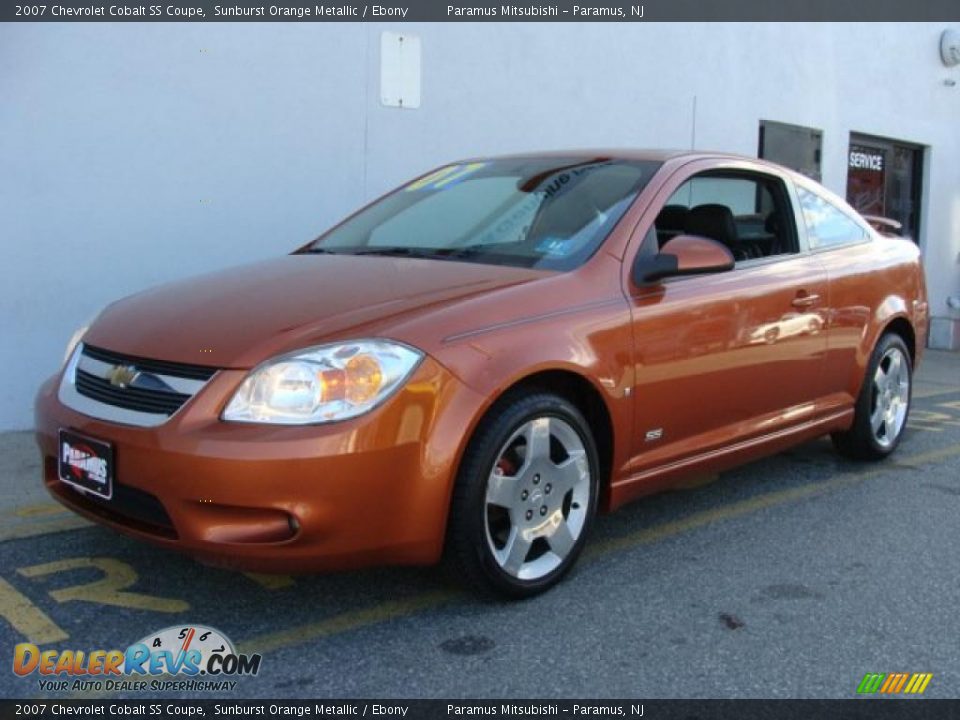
(483, 11)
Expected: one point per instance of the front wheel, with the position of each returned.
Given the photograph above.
(884, 404)
(525, 496)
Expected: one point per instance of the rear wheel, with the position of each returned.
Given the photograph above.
(884, 403)
(525, 496)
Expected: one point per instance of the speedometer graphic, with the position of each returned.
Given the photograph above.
(179, 640)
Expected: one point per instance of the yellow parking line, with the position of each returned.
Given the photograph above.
(912, 426)
(912, 461)
(745, 507)
(271, 582)
(923, 394)
(18, 531)
(344, 622)
(27, 619)
(707, 517)
(111, 589)
(40, 509)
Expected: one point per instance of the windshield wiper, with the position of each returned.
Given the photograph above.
(467, 250)
(318, 251)
(476, 249)
(404, 251)
(396, 250)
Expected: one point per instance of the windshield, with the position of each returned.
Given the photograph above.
(550, 213)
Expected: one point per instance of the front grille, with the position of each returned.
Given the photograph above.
(157, 367)
(131, 398)
(129, 389)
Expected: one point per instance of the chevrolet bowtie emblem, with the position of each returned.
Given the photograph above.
(122, 375)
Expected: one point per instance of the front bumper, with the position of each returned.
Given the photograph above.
(370, 490)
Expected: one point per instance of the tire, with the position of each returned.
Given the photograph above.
(518, 520)
(883, 406)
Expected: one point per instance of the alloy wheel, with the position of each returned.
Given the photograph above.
(890, 397)
(537, 499)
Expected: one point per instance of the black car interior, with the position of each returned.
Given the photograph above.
(751, 227)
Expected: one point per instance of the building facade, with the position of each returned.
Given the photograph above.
(136, 154)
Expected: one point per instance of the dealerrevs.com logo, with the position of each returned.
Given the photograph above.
(177, 658)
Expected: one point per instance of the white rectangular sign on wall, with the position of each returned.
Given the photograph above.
(400, 70)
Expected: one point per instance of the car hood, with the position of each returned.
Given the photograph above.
(241, 316)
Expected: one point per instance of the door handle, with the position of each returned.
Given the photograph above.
(805, 300)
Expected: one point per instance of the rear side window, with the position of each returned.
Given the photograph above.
(827, 225)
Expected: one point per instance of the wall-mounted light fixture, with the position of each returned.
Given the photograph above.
(950, 48)
(950, 53)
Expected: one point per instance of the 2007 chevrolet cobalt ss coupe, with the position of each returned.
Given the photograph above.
(475, 364)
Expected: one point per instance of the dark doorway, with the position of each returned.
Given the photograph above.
(884, 178)
(793, 146)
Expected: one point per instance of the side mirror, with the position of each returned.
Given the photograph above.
(683, 255)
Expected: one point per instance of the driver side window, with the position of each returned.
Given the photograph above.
(749, 213)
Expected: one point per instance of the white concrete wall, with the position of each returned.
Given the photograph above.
(134, 154)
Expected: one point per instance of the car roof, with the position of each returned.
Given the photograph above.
(661, 155)
(658, 155)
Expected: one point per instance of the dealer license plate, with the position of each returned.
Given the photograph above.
(86, 463)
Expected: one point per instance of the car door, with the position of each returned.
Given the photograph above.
(727, 358)
(842, 244)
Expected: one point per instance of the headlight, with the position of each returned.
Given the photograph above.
(322, 384)
(74, 341)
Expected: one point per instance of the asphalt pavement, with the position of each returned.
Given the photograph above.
(790, 577)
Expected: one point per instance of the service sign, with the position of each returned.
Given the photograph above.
(862, 158)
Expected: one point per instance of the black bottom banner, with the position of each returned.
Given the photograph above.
(865, 709)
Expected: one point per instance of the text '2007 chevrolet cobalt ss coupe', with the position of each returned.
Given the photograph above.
(475, 364)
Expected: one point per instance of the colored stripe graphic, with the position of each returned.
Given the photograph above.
(894, 683)
(918, 683)
(871, 682)
(890, 682)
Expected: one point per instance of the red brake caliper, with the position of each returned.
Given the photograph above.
(506, 467)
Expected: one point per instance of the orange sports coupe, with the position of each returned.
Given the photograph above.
(476, 363)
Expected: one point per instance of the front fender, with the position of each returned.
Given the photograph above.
(593, 342)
